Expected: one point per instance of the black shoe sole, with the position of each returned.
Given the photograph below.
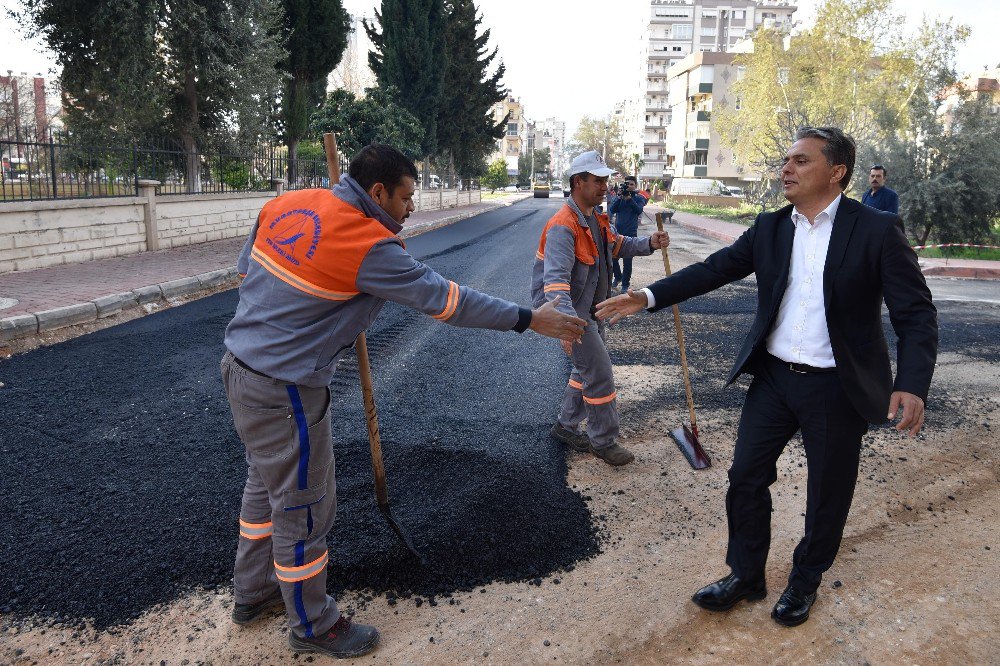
(309, 647)
(568, 442)
(789, 623)
(749, 596)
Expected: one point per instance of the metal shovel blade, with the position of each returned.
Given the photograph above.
(403, 537)
(689, 445)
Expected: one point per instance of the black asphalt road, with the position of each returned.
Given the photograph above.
(121, 474)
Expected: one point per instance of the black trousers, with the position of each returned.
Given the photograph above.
(779, 403)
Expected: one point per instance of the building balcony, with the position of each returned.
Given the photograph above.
(699, 144)
(694, 171)
(700, 116)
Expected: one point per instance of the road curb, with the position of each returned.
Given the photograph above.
(23, 326)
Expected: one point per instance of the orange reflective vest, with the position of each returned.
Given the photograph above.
(584, 246)
(315, 242)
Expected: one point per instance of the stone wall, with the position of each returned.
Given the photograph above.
(37, 234)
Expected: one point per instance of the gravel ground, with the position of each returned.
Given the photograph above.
(125, 497)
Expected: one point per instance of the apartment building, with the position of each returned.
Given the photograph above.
(514, 140)
(674, 31)
(551, 133)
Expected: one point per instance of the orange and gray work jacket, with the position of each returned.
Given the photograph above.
(566, 261)
(319, 265)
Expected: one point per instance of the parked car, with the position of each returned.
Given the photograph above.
(736, 191)
(565, 189)
(510, 188)
(698, 187)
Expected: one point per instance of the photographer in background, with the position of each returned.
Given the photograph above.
(626, 206)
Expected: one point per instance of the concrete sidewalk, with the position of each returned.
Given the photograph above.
(38, 301)
(727, 232)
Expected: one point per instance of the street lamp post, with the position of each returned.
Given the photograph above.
(604, 149)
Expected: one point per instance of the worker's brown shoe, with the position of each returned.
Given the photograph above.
(574, 440)
(616, 455)
(344, 640)
(247, 613)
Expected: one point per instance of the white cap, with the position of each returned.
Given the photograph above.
(590, 162)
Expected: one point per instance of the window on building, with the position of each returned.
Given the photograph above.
(739, 14)
(511, 129)
(676, 49)
(739, 103)
(709, 32)
(681, 31)
(696, 157)
(783, 76)
(741, 72)
(709, 13)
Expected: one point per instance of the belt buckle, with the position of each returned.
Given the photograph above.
(791, 366)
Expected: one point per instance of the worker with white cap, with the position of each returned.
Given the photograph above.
(574, 258)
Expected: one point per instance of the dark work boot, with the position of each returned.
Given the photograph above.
(344, 640)
(615, 455)
(793, 607)
(573, 439)
(725, 593)
(247, 613)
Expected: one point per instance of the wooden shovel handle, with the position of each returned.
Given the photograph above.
(364, 366)
(680, 334)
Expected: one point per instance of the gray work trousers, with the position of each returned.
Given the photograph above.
(290, 496)
(591, 391)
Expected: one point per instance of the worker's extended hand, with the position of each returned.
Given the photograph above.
(617, 308)
(546, 320)
(659, 240)
(913, 411)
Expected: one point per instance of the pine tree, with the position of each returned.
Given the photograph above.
(316, 32)
(471, 92)
(409, 56)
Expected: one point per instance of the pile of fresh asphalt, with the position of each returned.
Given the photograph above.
(122, 473)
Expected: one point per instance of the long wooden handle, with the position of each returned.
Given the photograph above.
(374, 441)
(364, 366)
(680, 334)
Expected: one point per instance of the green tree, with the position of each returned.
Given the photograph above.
(946, 175)
(467, 130)
(852, 70)
(374, 118)
(528, 167)
(409, 56)
(496, 175)
(316, 35)
(187, 69)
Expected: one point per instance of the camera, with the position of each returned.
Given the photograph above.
(622, 189)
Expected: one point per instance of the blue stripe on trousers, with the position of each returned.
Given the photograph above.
(300, 546)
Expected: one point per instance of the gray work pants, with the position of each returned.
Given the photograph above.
(591, 392)
(290, 497)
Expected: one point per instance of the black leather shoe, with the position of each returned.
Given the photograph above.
(793, 607)
(247, 613)
(574, 439)
(724, 594)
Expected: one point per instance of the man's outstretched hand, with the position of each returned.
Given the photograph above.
(617, 308)
(659, 240)
(913, 412)
(546, 320)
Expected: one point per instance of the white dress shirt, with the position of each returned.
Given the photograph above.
(800, 333)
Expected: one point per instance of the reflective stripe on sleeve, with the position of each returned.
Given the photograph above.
(539, 255)
(557, 286)
(452, 304)
(296, 574)
(575, 384)
(602, 400)
(255, 530)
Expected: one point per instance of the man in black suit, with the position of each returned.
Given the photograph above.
(818, 356)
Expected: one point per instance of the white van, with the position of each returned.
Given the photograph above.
(698, 187)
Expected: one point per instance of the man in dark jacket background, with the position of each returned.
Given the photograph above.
(818, 356)
(626, 210)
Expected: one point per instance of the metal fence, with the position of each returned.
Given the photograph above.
(61, 166)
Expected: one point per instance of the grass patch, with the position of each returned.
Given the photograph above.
(987, 254)
(743, 213)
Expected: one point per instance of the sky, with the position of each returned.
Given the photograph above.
(570, 58)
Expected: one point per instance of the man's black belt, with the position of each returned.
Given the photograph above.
(248, 368)
(802, 368)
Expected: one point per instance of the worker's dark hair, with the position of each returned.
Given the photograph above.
(879, 167)
(379, 163)
(839, 148)
(576, 177)
(632, 179)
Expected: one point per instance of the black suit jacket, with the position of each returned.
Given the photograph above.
(868, 260)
